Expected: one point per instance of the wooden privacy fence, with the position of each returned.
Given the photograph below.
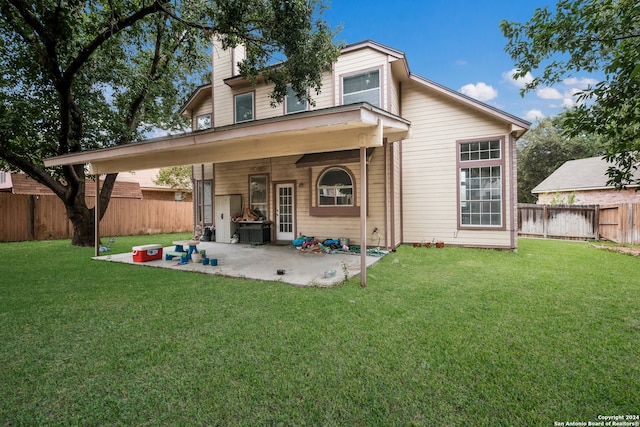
(618, 223)
(29, 217)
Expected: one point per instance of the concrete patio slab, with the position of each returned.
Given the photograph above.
(262, 262)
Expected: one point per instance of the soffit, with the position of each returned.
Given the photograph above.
(333, 129)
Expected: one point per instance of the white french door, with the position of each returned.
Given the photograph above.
(285, 212)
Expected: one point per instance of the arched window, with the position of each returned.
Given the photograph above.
(335, 188)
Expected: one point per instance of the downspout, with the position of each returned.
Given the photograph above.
(400, 189)
(96, 208)
(213, 93)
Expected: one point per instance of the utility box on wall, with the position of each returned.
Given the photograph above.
(226, 208)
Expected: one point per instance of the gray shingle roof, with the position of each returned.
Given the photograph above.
(581, 174)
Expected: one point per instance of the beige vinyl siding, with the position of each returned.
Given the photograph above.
(332, 227)
(430, 173)
(232, 178)
(394, 99)
(198, 170)
(361, 60)
(397, 192)
(263, 103)
(326, 97)
(203, 108)
(223, 110)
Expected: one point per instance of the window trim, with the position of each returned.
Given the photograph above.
(357, 73)
(199, 201)
(316, 209)
(253, 106)
(198, 117)
(479, 164)
(266, 204)
(286, 103)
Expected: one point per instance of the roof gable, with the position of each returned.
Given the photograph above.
(401, 71)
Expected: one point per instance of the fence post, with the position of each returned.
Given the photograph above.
(596, 219)
(545, 213)
(31, 218)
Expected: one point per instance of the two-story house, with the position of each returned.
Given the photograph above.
(383, 149)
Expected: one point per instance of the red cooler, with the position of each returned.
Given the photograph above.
(147, 253)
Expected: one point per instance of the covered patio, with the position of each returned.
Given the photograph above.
(263, 262)
(355, 126)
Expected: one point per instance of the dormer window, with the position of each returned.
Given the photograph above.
(291, 102)
(203, 122)
(363, 87)
(244, 107)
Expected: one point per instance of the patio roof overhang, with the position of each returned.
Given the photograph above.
(325, 130)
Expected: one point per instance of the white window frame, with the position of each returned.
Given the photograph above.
(361, 95)
(333, 191)
(235, 107)
(204, 201)
(255, 182)
(481, 184)
(203, 121)
(292, 104)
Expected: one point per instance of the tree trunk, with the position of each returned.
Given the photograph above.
(83, 220)
(83, 217)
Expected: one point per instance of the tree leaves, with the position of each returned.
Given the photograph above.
(545, 148)
(84, 75)
(590, 36)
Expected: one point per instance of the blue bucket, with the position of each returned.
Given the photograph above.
(213, 261)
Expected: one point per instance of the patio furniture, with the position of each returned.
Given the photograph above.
(180, 251)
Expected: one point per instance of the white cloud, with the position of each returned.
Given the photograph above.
(549, 93)
(461, 62)
(480, 91)
(520, 82)
(568, 103)
(579, 83)
(534, 115)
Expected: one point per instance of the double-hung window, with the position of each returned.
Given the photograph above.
(363, 87)
(292, 104)
(480, 179)
(203, 122)
(243, 107)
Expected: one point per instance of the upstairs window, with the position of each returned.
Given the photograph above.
(244, 107)
(203, 122)
(363, 87)
(335, 188)
(291, 102)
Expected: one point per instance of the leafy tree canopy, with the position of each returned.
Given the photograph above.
(176, 177)
(545, 148)
(80, 75)
(592, 36)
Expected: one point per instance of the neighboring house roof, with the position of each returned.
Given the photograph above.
(22, 184)
(145, 178)
(581, 174)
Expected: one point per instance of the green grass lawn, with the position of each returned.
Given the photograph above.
(449, 336)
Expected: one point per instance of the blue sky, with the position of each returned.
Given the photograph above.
(458, 44)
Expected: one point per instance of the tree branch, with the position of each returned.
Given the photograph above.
(107, 33)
